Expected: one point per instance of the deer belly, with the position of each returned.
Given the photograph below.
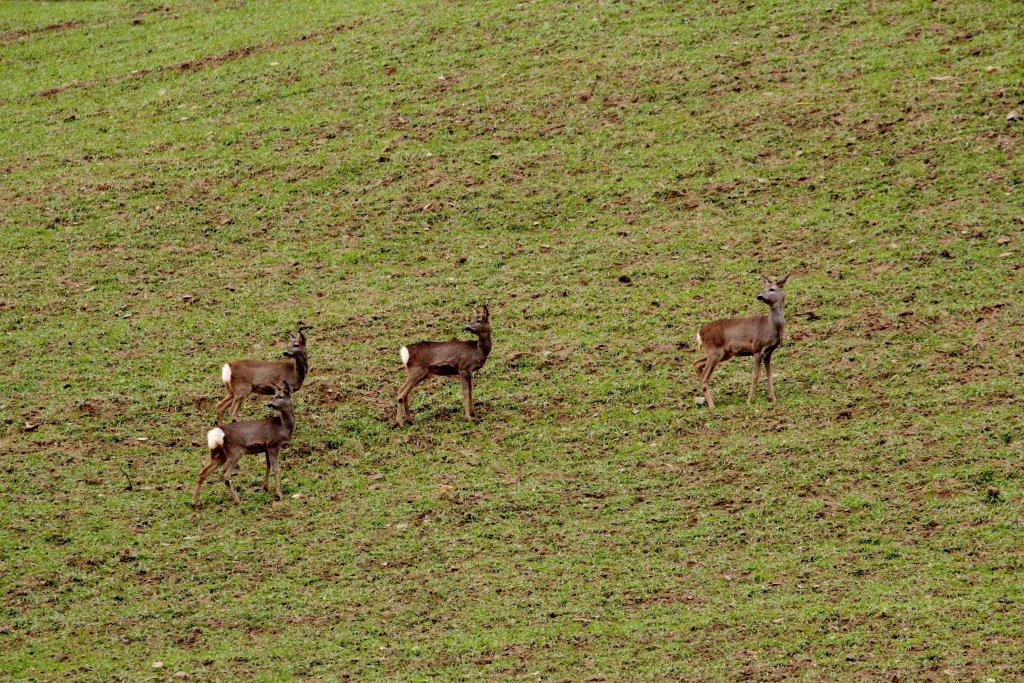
(742, 347)
(444, 370)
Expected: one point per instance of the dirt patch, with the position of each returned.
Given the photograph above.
(103, 408)
(8, 37)
(326, 395)
(200, 62)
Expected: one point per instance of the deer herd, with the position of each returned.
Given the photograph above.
(720, 340)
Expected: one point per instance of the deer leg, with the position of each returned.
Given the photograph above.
(266, 477)
(223, 405)
(229, 469)
(709, 367)
(241, 394)
(216, 460)
(272, 461)
(768, 373)
(402, 404)
(467, 393)
(753, 380)
(416, 375)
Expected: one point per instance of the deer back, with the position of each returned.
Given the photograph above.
(256, 435)
(446, 357)
(261, 375)
(738, 336)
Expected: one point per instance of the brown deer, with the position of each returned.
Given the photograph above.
(230, 442)
(756, 336)
(460, 358)
(244, 377)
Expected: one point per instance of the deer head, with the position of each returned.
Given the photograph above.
(480, 323)
(282, 398)
(773, 294)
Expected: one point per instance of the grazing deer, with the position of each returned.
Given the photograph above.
(244, 377)
(230, 442)
(756, 336)
(460, 358)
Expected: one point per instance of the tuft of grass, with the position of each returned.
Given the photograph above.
(183, 181)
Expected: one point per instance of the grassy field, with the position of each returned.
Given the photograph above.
(183, 182)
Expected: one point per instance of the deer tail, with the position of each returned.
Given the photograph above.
(404, 352)
(225, 373)
(215, 438)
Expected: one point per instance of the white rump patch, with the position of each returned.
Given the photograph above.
(215, 437)
(225, 374)
(700, 342)
(405, 356)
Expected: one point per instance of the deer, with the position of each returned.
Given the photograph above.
(230, 442)
(756, 336)
(425, 359)
(244, 377)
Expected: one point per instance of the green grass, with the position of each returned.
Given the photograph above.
(181, 185)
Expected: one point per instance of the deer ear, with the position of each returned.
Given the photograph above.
(287, 389)
(302, 337)
(782, 282)
(767, 280)
(484, 311)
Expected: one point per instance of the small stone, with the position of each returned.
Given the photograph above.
(700, 400)
(157, 665)
(296, 496)
(1013, 115)
(402, 526)
(180, 675)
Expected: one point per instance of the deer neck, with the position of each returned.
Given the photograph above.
(483, 344)
(778, 320)
(287, 421)
(301, 367)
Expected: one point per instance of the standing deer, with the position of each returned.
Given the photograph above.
(460, 358)
(244, 377)
(230, 442)
(756, 336)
